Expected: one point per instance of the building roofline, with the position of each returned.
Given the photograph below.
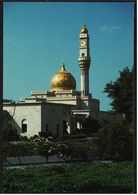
(7, 100)
(34, 103)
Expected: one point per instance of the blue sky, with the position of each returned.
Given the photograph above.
(38, 37)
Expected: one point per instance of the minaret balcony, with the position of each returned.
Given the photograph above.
(84, 62)
(84, 58)
(84, 35)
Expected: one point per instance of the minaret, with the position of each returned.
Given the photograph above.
(84, 61)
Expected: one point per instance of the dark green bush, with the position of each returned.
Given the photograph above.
(20, 148)
(115, 142)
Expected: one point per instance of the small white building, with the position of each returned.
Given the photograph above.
(30, 118)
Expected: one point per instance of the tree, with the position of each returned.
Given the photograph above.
(121, 93)
(115, 141)
(10, 134)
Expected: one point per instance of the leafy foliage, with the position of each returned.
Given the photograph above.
(44, 146)
(121, 92)
(85, 178)
(115, 141)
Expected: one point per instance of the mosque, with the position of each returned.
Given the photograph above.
(62, 109)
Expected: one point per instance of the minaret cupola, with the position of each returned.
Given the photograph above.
(84, 29)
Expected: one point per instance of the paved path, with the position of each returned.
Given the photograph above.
(36, 159)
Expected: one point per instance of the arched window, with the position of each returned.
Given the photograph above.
(24, 126)
(83, 54)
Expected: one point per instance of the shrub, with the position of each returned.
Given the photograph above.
(76, 151)
(44, 146)
(20, 148)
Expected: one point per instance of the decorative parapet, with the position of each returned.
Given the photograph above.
(62, 98)
(42, 93)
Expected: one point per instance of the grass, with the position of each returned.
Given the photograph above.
(71, 178)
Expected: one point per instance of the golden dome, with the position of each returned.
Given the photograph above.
(84, 29)
(63, 80)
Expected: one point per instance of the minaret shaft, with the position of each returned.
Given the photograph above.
(84, 61)
(84, 82)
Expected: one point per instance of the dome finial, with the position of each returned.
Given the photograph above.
(84, 25)
(63, 67)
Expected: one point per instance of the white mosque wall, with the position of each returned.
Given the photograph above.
(39, 117)
(30, 113)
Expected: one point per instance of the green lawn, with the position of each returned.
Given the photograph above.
(71, 178)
